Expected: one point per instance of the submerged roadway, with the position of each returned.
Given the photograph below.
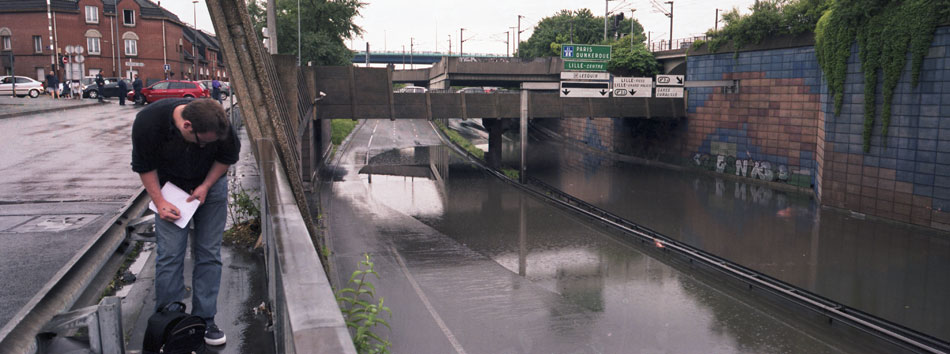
(471, 264)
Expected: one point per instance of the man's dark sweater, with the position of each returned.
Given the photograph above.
(157, 144)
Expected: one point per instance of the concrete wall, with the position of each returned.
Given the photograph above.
(780, 127)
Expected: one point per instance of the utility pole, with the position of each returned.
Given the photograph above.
(411, 44)
(450, 45)
(298, 39)
(507, 40)
(632, 10)
(671, 24)
(272, 26)
(404, 57)
(461, 41)
(606, 5)
(572, 27)
(716, 26)
(518, 43)
(367, 55)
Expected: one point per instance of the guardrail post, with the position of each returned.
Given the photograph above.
(110, 326)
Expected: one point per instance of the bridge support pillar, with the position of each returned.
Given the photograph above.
(495, 129)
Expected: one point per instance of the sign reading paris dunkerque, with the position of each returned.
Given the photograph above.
(585, 52)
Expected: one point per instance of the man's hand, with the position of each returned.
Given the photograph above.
(167, 211)
(200, 193)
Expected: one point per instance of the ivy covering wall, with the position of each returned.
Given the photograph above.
(885, 32)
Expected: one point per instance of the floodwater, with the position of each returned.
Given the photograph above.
(894, 271)
(469, 263)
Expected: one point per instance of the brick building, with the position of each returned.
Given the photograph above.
(118, 38)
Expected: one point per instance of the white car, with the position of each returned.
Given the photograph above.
(412, 89)
(24, 86)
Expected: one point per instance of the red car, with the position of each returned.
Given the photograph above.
(170, 89)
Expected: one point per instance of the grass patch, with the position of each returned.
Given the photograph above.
(119, 279)
(340, 128)
(457, 138)
(246, 217)
(512, 173)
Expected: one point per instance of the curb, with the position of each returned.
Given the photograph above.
(46, 110)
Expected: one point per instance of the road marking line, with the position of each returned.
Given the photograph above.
(425, 301)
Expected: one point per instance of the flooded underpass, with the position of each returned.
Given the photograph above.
(471, 264)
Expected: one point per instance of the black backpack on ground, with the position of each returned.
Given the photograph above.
(172, 331)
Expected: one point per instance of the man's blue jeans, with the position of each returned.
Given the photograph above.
(209, 223)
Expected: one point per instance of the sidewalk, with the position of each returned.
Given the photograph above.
(15, 107)
(243, 284)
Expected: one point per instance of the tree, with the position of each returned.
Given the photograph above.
(626, 60)
(324, 25)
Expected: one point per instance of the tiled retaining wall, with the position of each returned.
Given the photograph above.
(909, 180)
(780, 126)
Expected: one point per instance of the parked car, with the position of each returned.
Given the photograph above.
(225, 88)
(110, 89)
(170, 89)
(412, 89)
(24, 86)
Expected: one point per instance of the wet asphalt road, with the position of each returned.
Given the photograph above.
(469, 264)
(62, 176)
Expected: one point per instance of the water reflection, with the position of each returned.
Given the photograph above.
(890, 270)
(609, 297)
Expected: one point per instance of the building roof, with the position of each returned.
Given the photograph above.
(37, 5)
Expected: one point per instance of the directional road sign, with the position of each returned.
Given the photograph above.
(633, 86)
(576, 75)
(585, 65)
(669, 80)
(593, 89)
(585, 52)
(669, 92)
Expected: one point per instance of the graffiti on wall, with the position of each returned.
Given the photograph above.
(762, 170)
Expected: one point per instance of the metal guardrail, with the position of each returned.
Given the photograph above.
(307, 318)
(64, 288)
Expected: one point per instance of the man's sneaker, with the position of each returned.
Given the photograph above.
(214, 335)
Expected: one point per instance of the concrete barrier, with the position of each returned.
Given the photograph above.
(307, 318)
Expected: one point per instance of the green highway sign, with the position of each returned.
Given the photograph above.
(585, 66)
(585, 52)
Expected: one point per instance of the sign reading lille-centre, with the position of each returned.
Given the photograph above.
(585, 66)
(585, 52)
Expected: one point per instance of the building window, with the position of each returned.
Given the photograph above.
(128, 17)
(7, 45)
(131, 47)
(92, 44)
(37, 44)
(131, 43)
(92, 14)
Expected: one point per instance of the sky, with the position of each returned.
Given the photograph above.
(428, 24)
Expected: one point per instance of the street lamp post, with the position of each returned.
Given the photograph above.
(194, 42)
(461, 40)
(671, 24)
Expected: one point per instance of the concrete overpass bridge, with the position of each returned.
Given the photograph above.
(506, 71)
(411, 58)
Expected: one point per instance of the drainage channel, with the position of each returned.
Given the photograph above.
(875, 326)
(62, 291)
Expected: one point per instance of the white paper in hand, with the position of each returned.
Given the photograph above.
(178, 198)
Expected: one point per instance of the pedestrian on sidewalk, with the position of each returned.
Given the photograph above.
(137, 88)
(191, 144)
(123, 90)
(100, 82)
(216, 90)
(52, 85)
